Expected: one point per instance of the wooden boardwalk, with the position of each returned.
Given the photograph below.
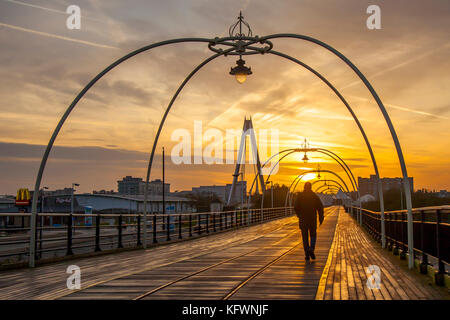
(346, 274)
(259, 262)
(270, 267)
(49, 281)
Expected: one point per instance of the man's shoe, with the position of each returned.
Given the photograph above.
(311, 253)
(307, 256)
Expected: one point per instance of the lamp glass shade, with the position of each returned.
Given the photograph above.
(241, 77)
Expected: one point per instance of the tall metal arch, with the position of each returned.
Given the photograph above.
(238, 44)
(391, 129)
(325, 181)
(298, 178)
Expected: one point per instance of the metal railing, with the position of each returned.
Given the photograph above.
(431, 234)
(65, 234)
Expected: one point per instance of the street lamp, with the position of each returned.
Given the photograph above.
(71, 201)
(42, 198)
(305, 147)
(240, 71)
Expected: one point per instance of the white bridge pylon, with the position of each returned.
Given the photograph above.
(247, 130)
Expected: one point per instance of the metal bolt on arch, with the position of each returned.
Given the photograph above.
(237, 43)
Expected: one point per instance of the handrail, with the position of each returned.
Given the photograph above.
(431, 231)
(63, 234)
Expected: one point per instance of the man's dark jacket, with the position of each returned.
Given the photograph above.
(307, 206)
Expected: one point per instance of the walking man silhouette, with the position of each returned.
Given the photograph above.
(307, 206)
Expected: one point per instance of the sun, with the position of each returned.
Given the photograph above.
(309, 176)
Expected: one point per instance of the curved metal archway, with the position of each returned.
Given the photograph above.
(288, 152)
(327, 152)
(298, 179)
(239, 44)
(320, 189)
(327, 182)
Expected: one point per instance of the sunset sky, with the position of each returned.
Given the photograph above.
(110, 133)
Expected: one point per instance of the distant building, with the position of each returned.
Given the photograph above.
(103, 191)
(59, 191)
(443, 194)
(136, 186)
(370, 185)
(7, 203)
(223, 192)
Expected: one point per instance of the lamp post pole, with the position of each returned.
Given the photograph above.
(70, 222)
(271, 191)
(72, 197)
(42, 221)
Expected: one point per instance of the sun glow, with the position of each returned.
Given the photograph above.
(309, 176)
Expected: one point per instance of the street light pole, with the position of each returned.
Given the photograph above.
(42, 220)
(271, 191)
(72, 198)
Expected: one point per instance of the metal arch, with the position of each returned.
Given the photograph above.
(391, 129)
(369, 147)
(291, 151)
(358, 123)
(328, 185)
(333, 155)
(327, 180)
(261, 40)
(161, 124)
(320, 150)
(331, 187)
(330, 191)
(297, 180)
(334, 182)
(80, 95)
(66, 115)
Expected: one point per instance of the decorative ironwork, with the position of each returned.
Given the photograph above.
(241, 22)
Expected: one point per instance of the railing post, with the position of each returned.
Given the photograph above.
(199, 231)
(139, 243)
(97, 233)
(439, 277)
(41, 223)
(424, 265)
(396, 248)
(214, 222)
(168, 227)
(403, 252)
(221, 221)
(120, 232)
(227, 214)
(190, 225)
(153, 227)
(36, 238)
(207, 223)
(179, 227)
(69, 236)
(390, 243)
